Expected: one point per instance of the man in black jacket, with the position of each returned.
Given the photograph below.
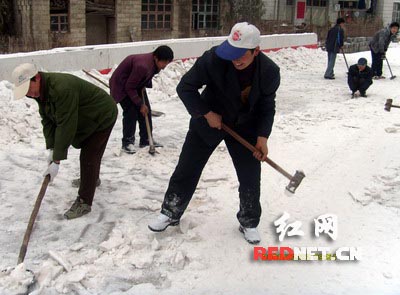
(334, 42)
(359, 78)
(241, 83)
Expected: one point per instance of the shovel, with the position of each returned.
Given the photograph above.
(35, 211)
(390, 69)
(152, 148)
(295, 180)
(24, 246)
(344, 56)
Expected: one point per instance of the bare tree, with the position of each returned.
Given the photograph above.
(246, 10)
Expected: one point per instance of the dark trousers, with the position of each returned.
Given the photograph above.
(130, 115)
(360, 84)
(377, 63)
(194, 156)
(92, 151)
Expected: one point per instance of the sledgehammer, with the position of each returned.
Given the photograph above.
(389, 105)
(295, 180)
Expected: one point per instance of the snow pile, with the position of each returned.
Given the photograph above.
(15, 281)
(19, 119)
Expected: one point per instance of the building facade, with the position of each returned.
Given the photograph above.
(55, 23)
(43, 24)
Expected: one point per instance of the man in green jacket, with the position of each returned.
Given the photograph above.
(74, 112)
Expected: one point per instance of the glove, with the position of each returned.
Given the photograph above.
(50, 157)
(52, 170)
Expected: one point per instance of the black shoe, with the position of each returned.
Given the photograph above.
(363, 94)
(330, 78)
(353, 94)
(129, 149)
(143, 144)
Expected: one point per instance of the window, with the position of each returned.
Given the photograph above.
(156, 14)
(320, 3)
(205, 14)
(396, 12)
(289, 2)
(59, 16)
(348, 4)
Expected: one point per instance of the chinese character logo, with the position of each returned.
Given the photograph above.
(327, 224)
(292, 229)
(236, 36)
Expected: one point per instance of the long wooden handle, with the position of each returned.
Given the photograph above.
(152, 148)
(35, 211)
(253, 149)
(344, 56)
(96, 78)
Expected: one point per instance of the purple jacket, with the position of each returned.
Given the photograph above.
(132, 74)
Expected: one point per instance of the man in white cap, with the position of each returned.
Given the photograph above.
(74, 112)
(240, 91)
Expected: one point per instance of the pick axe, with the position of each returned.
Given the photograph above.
(389, 105)
(295, 179)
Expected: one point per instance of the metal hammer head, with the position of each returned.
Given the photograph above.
(388, 104)
(295, 181)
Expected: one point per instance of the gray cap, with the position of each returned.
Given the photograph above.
(362, 61)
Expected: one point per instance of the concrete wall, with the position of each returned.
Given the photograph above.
(126, 29)
(106, 56)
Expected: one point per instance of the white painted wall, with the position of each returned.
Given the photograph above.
(387, 11)
(106, 56)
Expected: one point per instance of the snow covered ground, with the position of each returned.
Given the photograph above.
(348, 149)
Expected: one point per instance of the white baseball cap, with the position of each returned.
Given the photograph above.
(21, 77)
(243, 37)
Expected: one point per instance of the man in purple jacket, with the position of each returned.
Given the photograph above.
(127, 84)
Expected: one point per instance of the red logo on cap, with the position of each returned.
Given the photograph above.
(236, 36)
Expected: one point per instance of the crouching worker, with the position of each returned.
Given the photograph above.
(359, 78)
(240, 86)
(74, 112)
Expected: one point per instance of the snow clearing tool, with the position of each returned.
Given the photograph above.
(152, 148)
(390, 69)
(153, 113)
(295, 179)
(19, 275)
(389, 104)
(344, 56)
(32, 219)
(96, 78)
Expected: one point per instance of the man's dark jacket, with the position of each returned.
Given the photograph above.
(359, 80)
(335, 39)
(222, 95)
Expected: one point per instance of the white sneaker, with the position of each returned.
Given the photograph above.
(162, 222)
(251, 235)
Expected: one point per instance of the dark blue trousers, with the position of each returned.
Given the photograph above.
(194, 156)
(130, 115)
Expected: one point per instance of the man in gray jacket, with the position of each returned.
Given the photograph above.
(379, 45)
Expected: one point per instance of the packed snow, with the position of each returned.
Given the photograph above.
(348, 149)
